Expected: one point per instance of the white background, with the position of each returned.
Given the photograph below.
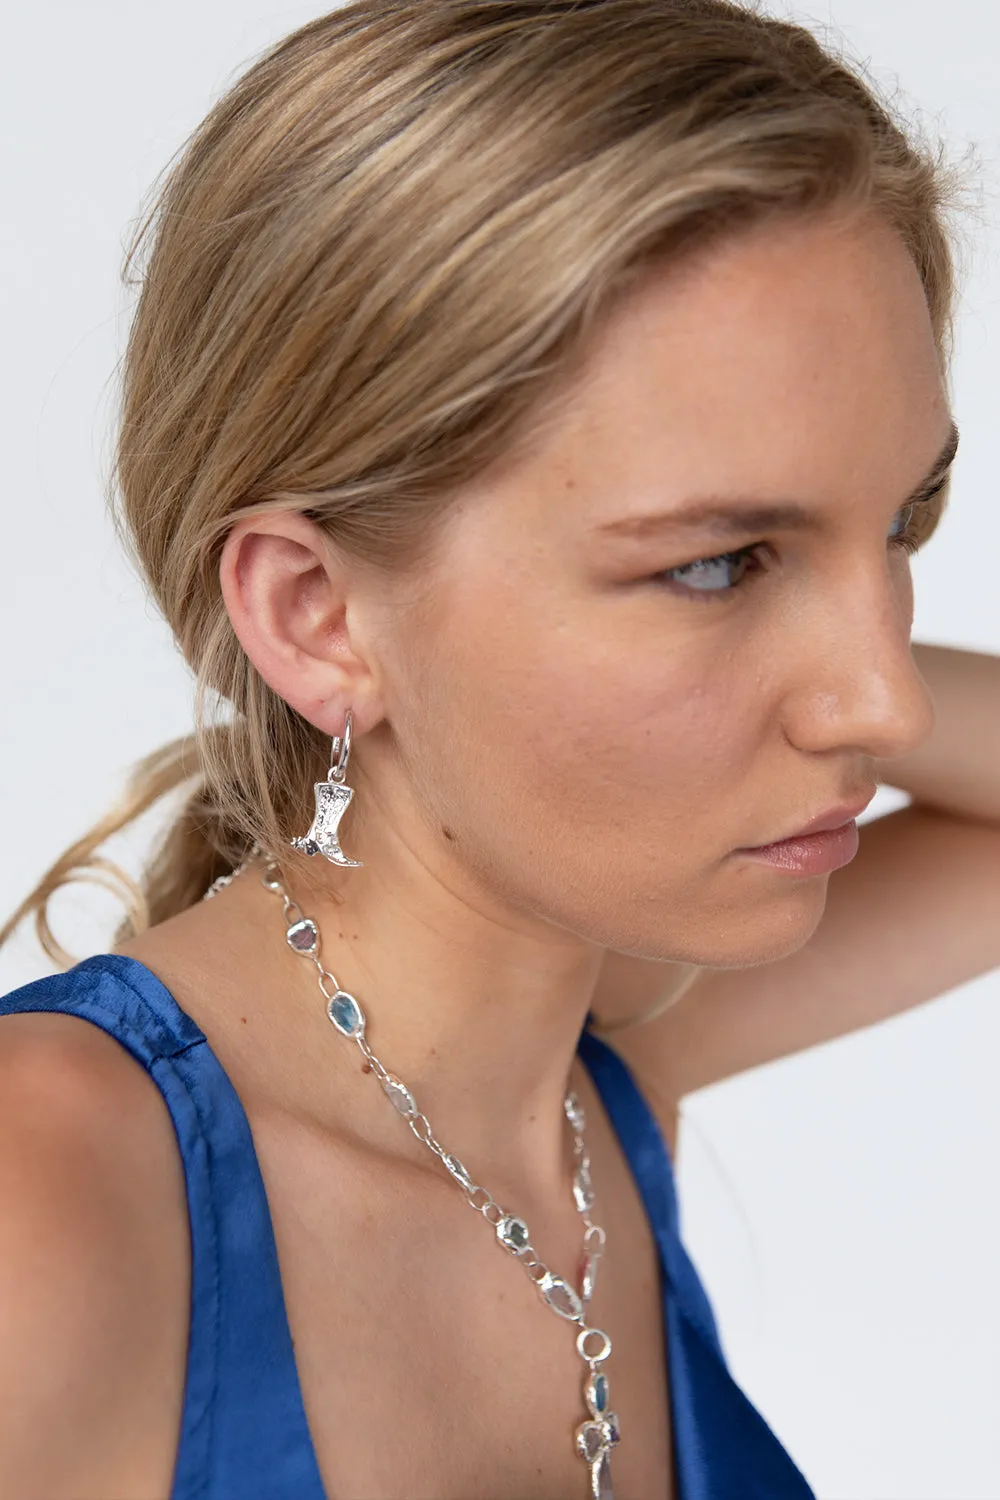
(841, 1205)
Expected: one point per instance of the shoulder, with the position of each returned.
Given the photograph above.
(94, 1268)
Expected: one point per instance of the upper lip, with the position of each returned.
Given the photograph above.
(834, 817)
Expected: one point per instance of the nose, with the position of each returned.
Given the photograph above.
(857, 685)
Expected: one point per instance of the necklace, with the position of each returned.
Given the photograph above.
(598, 1433)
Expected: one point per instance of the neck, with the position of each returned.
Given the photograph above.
(477, 1009)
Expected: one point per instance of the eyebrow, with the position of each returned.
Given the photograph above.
(736, 517)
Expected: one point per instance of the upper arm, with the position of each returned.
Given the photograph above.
(914, 914)
(93, 1267)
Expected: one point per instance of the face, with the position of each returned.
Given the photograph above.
(601, 712)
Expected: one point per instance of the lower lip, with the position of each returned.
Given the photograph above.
(812, 854)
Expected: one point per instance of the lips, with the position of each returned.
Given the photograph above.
(834, 817)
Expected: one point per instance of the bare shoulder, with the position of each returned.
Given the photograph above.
(94, 1267)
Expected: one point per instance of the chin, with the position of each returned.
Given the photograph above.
(768, 935)
(726, 936)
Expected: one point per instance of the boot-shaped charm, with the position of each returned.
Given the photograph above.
(332, 801)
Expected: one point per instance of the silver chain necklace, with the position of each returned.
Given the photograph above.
(597, 1435)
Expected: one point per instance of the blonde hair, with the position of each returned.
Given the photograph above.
(380, 254)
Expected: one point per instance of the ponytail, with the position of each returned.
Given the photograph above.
(192, 852)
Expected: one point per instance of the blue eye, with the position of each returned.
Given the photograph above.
(712, 577)
(705, 573)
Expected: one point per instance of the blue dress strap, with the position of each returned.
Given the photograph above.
(724, 1448)
(243, 1429)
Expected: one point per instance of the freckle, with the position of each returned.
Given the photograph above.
(447, 833)
(243, 1019)
(366, 1066)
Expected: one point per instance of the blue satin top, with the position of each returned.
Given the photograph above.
(244, 1434)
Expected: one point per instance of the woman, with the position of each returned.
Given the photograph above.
(527, 417)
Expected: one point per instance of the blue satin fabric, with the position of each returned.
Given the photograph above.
(244, 1434)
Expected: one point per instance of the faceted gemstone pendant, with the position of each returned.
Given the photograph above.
(612, 1434)
(590, 1443)
(345, 1013)
(593, 1445)
(561, 1297)
(601, 1479)
(303, 936)
(596, 1393)
(512, 1232)
(400, 1096)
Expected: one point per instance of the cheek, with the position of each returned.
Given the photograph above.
(645, 748)
(586, 775)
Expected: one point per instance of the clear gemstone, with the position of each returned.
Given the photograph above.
(302, 936)
(561, 1297)
(345, 1013)
(583, 1188)
(604, 1491)
(596, 1393)
(458, 1171)
(574, 1111)
(611, 1432)
(512, 1232)
(400, 1096)
(590, 1441)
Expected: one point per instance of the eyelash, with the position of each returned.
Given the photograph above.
(919, 525)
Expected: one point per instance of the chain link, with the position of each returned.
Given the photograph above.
(511, 1232)
(419, 1123)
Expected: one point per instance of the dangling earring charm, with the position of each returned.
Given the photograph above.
(332, 801)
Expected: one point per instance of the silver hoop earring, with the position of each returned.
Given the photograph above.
(332, 801)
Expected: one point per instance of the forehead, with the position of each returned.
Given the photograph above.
(798, 355)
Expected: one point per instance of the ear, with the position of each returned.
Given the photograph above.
(289, 597)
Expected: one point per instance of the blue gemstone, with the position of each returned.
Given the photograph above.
(600, 1389)
(345, 1013)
